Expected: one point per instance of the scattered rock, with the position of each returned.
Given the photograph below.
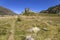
(45, 29)
(29, 37)
(35, 29)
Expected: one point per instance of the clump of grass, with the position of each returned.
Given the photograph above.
(18, 19)
(3, 31)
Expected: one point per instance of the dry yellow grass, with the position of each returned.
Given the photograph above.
(51, 23)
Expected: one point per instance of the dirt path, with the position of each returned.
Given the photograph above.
(11, 36)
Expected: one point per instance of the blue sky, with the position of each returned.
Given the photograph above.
(18, 6)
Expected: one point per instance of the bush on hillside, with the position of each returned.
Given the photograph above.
(3, 31)
(29, 14)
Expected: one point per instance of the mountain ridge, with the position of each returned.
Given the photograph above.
(6, 11)
(54, 9)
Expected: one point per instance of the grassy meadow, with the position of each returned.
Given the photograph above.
(21, 24)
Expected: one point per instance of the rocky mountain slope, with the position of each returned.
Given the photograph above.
(6, 11)
(54, 9)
